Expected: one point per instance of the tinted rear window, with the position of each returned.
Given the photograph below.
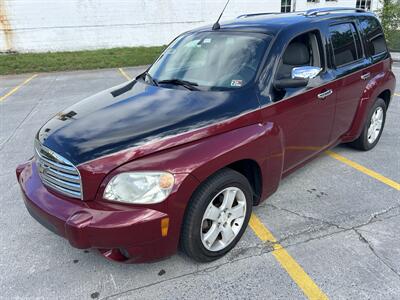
(374, 36)
(346, 44)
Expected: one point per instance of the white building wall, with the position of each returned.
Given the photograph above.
(302, 5)
(68, 25)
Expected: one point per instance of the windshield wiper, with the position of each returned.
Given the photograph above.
(187, 84)
(147, 75)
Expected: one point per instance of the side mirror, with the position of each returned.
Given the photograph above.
(287, 83)
(300, 77)
(305, 72)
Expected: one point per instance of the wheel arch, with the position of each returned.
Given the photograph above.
(386, 95)
(381, 86)
(250, 169)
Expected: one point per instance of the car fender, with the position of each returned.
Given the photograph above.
(379, 83)
(193, 163)
(261, 142)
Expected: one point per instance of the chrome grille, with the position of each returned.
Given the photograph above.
(58, 173)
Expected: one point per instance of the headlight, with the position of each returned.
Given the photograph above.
(140, 187)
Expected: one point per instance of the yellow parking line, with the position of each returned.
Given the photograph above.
(14, 90)
(398, 95)
(295, 271)
(364, 170)
(124, 74)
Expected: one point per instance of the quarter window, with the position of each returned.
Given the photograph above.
(346, 44)
(374, 36)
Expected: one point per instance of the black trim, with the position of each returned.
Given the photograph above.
(43, 222)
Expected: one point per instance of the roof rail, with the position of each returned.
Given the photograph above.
(257, 14)
(327, 10)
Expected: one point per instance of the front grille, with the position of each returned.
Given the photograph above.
(58, 173)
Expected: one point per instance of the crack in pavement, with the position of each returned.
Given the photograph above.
(3, 144)
(341, 229)
(198, 272)
(365, 241)
(265, 248)
(304, 216)
(374, 217)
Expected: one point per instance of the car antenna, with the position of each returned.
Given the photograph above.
(216, 26)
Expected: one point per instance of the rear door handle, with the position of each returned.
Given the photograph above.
(365, 76)
(325, 94)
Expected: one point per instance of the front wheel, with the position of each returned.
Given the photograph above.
(373, 127)
(217, 216)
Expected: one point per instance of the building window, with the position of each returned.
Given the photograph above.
(364, 4)
(286, 6)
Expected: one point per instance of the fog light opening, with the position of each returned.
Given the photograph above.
(124, 253)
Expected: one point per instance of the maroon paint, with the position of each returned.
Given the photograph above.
(382, 79)
(279, 138)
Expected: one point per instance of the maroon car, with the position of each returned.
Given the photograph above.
(180, 155)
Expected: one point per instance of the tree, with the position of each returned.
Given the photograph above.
(390, 19)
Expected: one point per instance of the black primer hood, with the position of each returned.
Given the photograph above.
(135, 113)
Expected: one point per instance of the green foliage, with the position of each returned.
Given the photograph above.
(80, 60)
(390, 18)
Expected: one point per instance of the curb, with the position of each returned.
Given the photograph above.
(395, 56)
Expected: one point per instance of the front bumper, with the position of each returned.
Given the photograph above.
(120, 232)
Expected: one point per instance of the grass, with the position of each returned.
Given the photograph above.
(96, 59)
(80, 60)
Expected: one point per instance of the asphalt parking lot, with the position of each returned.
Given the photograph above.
(336, 224)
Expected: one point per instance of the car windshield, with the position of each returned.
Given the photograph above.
(210, 60)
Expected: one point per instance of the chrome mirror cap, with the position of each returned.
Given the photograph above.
(305, 72)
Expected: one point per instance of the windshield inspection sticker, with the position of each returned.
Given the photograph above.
(237, 83)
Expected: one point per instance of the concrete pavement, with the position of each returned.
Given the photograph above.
(339, 224)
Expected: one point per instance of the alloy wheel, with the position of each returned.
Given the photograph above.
(375, 126)
(223, 219)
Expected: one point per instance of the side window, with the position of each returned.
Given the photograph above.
(346, 44)
(374, 36)
(303, 50)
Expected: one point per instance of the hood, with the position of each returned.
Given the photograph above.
(134, 114)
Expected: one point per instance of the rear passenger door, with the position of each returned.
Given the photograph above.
(348, 63)
(375, 47)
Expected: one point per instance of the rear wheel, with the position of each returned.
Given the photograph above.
(217, 216)
(373, 127)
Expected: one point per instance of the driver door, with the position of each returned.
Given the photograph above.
(304, 115)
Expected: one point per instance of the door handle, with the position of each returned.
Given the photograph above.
(325, 94)
(365, 76)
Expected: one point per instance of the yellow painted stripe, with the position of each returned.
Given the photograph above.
(398, 95)
(364, 170)
(295, 271)
(14, 90)
(124, 74)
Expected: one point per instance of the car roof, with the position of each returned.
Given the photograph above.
(273, 23)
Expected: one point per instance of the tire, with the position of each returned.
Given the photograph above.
(366, 141)
(211, 200)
